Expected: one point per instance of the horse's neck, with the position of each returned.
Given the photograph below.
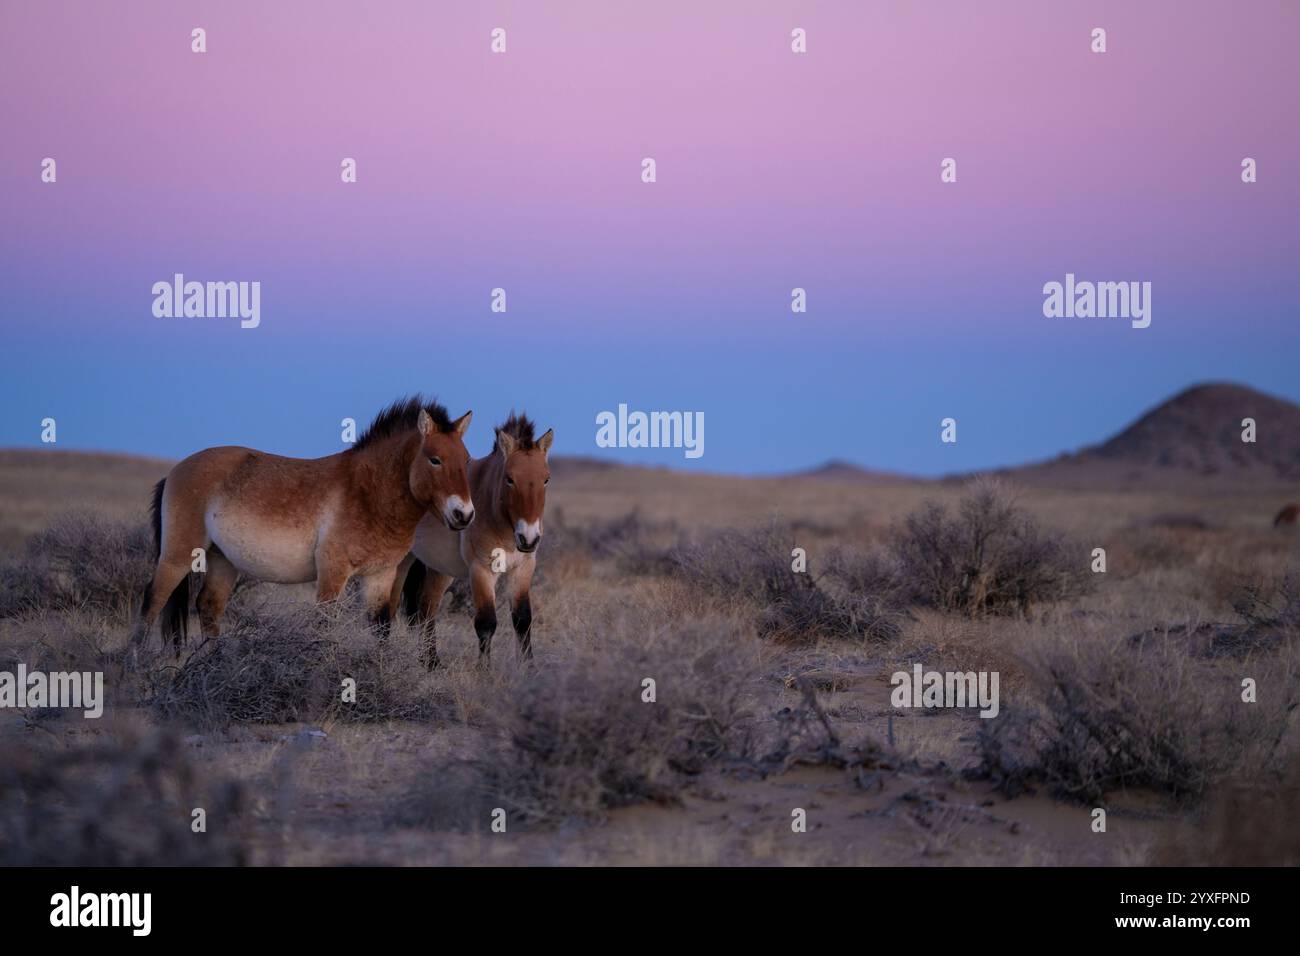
(489, 481)
(383, 472)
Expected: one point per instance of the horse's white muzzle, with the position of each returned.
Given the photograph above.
(527, 535)
(458, 513)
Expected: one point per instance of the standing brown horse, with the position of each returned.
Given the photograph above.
(509, 490)
(291, 520)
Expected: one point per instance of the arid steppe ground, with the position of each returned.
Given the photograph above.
(1119, 690)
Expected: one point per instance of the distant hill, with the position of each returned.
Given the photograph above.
(1194, 436)
(838, 470)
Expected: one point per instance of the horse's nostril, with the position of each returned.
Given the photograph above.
(458, 515)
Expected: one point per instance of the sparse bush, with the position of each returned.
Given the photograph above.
(872, 586)
(991, 557)
(82, 561)
(1104, 713)
(114, 803)
(576, 739)
(795, 606)
(284, 663)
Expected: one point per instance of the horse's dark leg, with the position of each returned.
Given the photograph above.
(521, 616)
(483, 584)
(521, 606)
(485, 625)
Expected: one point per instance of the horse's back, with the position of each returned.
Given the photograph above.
(233, 469)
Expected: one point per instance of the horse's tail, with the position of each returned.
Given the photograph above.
(174, 620)
(412, 588)
(155, 517)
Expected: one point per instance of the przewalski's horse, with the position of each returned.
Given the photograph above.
(509, 489)
(292, 520)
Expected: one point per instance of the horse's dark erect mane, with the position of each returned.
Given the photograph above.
(521, 428)
(401, 416)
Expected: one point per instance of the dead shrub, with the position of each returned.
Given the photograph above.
(287, 663)
(1101, 714)
(795, 606)
(56, 640)
(574, 739)
(991, 557)
(806, 737)
(82, 561)
(872, 586)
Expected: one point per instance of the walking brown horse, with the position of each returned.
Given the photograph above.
(509, 492)
(292, 520)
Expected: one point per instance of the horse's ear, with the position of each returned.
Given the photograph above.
(544, 443)
(505, 442)
(425, 423)
(462, 423)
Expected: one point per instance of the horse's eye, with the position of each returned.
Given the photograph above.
(510, 481)
(436, 462)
